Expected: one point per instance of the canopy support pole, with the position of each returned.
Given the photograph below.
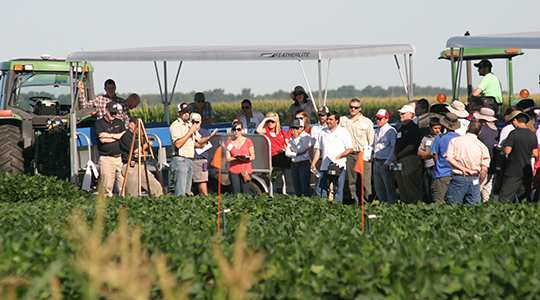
(402, 79)
(459, 68)
(307, 83)
(165, 99)
(165, 104)
(327, 79)
(411, 85)
(320, 80)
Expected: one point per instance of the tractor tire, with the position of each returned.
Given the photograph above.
(11, 150)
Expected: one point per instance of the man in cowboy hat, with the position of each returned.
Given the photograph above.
(442, 175)
(407, 141)
(489, 135)
(469, 159)
(520, 146)
(458, 108)
(489, 86)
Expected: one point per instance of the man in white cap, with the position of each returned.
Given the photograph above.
(458, 108)
(405, 160)
(316, 129)
(362, 133)
(489, 86)
(383, 150)
(183, 137)
(200, 159)
(489, 135)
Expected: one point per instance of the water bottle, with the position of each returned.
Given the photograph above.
(316, 172)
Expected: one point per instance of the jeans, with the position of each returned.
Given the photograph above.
(464, 190)
(301, 177)
(182, 169)
(384, 183)
(323, 184)
(239, 186)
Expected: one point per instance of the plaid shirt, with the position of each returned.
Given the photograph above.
(100, 103)
(207, 111)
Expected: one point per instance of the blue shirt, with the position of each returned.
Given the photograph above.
(440, 145)
(204, 133)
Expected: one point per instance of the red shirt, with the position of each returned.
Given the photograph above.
(277, 141)
(236, 165)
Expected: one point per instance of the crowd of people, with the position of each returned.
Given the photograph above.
(458, 156)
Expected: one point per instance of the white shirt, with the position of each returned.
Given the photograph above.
(315, 132)
(332, 144)
(296, 145)
(383, 145)
(504, 134)
(254, 121)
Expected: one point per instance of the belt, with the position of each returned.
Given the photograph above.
(191, 158)
(379, 159)
(300, 163)
(355, 152)
(463, 175)
(115, 156)
(199, 158)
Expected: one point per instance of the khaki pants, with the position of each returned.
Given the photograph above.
(110, 169)
(355, 178)
(132, 181)
(408, 180)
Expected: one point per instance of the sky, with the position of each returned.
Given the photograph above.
(34, 27)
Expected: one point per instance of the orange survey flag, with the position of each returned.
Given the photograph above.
(359, 167)
(216, 161)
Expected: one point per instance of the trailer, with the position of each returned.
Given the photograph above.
(181, 54)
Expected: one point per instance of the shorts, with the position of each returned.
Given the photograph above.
(200, 170)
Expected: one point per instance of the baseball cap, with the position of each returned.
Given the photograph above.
(199, 97)
(484, 63)
(297, 123)
(195, 117)
(406, 109)
(183, 107)
(113, 107)
(382, 113)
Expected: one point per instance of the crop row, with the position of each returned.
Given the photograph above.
(314, 249)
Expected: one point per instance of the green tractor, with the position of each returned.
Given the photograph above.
(35, 106)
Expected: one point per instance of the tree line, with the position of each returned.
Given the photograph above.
(345, 91)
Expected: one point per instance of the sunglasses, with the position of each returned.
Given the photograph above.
(246, 107)
(378, 119)
(200, 101)
(298, 94)
(354, 107)
(271, 121)
(237, 129)
(195, 122)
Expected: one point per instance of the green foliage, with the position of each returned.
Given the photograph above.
(315, 249)
(27, 188)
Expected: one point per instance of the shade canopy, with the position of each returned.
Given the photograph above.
(524, 40)
(239, 53)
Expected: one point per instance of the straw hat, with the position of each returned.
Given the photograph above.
(458, 108)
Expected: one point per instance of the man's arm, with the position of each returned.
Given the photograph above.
(344, 153)
(507, 150)
(316, 157)
(409, 149)
(475, 93)
(483, 173)
(105, 137)
(181, 141)
(204, 140)
(457, 165)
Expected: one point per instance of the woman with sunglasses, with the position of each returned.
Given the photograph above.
(250, 119)
(240, 152)
(301, 101)
(279, 138)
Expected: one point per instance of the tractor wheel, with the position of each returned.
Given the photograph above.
(254, 188)
(11, 150)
